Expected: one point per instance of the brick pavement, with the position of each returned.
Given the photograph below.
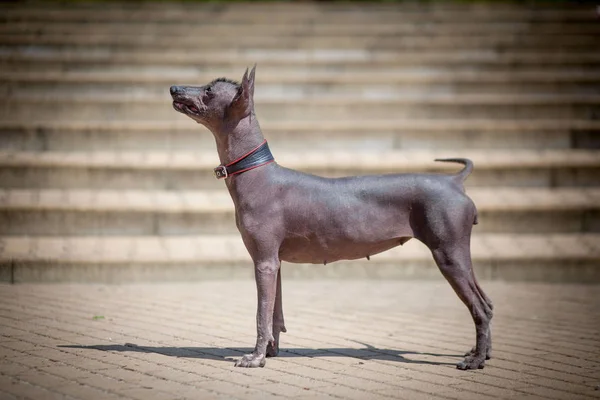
(348, 339)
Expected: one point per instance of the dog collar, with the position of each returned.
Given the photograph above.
(258, 157)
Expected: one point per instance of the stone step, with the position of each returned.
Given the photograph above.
(187, 170)
(368, 111)
(330, 58)
(300, 75)
(195, 42)
(95, 163)
(414, 105)
(324, 87)
(136, 84)
(294, 28)
(288, 13)
(350, 134)
(147, 212)
(295, 86)
(548, 257)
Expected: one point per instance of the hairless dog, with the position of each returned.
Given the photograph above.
(287, 215)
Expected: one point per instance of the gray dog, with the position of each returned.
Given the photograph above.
(286, 215)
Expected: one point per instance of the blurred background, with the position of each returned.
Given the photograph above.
(101, 181)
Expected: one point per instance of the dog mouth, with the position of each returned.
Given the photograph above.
(185, 108)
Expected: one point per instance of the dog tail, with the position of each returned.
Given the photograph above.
(466, 171)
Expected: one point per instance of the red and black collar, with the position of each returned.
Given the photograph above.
(260, 156)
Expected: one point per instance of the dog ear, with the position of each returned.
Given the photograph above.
(251, 80)
(243, 102)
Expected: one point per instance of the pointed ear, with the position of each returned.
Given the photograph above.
(243, 102)
(251, 80)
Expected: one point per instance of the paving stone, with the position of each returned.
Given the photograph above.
(408, 394)
(7, 396)
(41, 379)
(30, 360)
(239, 377)
(304, 372)
(9, 367)
(144, 393)
(365, 384)
(67, 371)
(498, 389)
(351, 393)
(548, 393)
(461, 394)
(232, 388)
(22, 389)
(194, 392)
(106, 383)
(291, 377)
(178, 375)
(22, 346)
(121, 371)
(83, 391)
(313, 396)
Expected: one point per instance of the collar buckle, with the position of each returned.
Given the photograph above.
(221, 172)
(259, 156)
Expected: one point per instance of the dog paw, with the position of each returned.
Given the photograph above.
(471, 353)
(252, 360)
(471, 362)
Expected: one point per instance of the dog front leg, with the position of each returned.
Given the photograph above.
(266, 285)
(278, 323)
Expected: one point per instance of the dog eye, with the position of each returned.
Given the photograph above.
(209, 89)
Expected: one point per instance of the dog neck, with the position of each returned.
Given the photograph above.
(235, 141)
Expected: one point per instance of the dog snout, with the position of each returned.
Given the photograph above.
(175, 90)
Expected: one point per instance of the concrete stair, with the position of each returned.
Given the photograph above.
(111, 84)
(187, 170)
(301, 13)
(374, 107)
(106, 212)
(102, 181)
(549, 257)
(325, 134)
(293, 29)
(213, 60)
(191, 41)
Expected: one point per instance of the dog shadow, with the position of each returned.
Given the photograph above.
(231, 353)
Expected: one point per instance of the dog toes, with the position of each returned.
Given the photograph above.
(251, 361)
(471, 363)
(471, 353)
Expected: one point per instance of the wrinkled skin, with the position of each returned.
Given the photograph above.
(286, 215)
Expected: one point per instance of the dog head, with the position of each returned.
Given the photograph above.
(221, 102)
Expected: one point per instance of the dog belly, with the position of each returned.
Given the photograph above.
(304, 250)
(348, 228)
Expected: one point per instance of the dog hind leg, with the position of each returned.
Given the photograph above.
(487, 300)
(454, 261)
